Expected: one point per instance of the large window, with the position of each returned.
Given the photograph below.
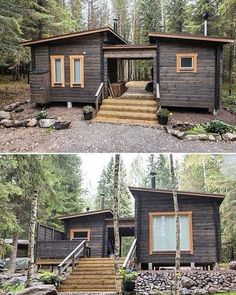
(80, 234)
(77, 71)
(163, 232)
(57, 71)
(186, 62)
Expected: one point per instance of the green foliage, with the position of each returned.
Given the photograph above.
(219, 127)
(50, 278)
(197, 129)
(164, 113)
(88, 109)
(176, 11)
(43, 114)
(127, 275)
(229, 101)
(13, 288)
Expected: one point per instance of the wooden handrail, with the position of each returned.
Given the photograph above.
(98, 94)
(70, 259)
(129, 260)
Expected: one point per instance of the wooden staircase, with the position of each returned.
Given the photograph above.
(128, 110)
(91, 275)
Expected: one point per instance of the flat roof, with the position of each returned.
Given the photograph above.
(168, 191)
(129, 47)
(72, 35)
(87, 213)
(181, 36)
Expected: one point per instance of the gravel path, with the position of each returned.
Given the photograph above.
(98, 137)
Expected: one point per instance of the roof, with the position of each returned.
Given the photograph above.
(129, 47)
(87, 213)
(20, 242)
(72, 35)
(222, 40)
(184, 193)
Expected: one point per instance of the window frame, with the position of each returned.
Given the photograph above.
(180, 69)
(153, 214)
(53, 71)
(80, 230)
(73, 84)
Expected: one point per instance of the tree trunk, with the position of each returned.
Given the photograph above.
(231, 53)
(33, 221)
(12, 263)
(116, 210)
(177, 224)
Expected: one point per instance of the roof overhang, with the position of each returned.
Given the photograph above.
(135, 190)
(89, 213)
(209, 39)
(72, 35)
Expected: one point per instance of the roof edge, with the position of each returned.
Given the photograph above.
(72, 35)
(167, 191)
(82, 214)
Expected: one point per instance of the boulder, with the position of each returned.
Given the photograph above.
(192, 137)
(177, 133)
(12, 107)
(19, 110)
(8, 123)
(32, 123)
(229, 137)
(21, 123)
(211, 137)
(61, 125)
(46, 123)
(39, 290)
(232, 265)
(187, 282)
(203, 136)
(5, 115)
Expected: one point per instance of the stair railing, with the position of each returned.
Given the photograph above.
(71, 258)
(129, 262)
(99, 93)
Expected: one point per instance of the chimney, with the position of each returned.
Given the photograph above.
(115, 24)
(87, 209)
(102, 201)
(153, 179)
(205, 16)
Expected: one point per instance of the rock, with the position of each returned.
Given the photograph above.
(229, 137)
(192, 137)
(61, 125)
(8, 123)
(19, 110)
(13, 106)
(46, 123)
(177, 133)
(21, 123)
(39, 290)
(5, 115)
(187, 282)
(212, 290)
(211, 137)
(32, 123)
(203, 136)
(232, 265)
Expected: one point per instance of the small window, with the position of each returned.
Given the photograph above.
(57, 71)
(80, 234)
(77, 71)
(163, 232)
(186, 62)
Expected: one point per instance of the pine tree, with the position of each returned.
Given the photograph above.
(176, 14)
(121, 12)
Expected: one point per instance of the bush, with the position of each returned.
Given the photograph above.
(88, 109)
(197, 129)
(49, 278)
(127, 275)
(43, 114)
(163, 113)
(219, 127)
(14, 287)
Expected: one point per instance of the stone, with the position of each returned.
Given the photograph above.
(61, 125)
(19, 110)
(187, 282)
(232, 265)
(177, 133)
(192, 137)
(7, 123)
(203, 136)
(39, 290)
(229, 137)
(12, 107)
(21, 123)
(46, 123)
(212, 290)
(32, 123)
(211, 137)
(5, 115)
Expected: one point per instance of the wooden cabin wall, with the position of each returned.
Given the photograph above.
(45, 233)
(205, 226)
(187, 89)
(96, 223)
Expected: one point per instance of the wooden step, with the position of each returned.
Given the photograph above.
(91, 276)
(129, 102)
(95, 281)
(87, 287)
(126, 115)
(133, 108)
(94, 271)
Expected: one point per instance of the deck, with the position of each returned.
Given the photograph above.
(136, 89)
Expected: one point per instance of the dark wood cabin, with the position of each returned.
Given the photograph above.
(186, 69)
(155, 227)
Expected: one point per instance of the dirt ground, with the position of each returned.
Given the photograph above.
(84, 136)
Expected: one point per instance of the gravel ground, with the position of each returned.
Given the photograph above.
(97, 137)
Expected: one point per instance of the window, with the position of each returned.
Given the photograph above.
(57, 71)
(80, 234)
(163, 232)
(77, 71)
(186, 62)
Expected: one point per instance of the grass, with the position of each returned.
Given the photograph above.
(229, 102)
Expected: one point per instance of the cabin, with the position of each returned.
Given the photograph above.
(152, 229)
(90, 66)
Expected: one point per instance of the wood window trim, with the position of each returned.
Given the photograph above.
(53, 73)
(72, 64)
(150, 233)
(193, 69)
(76, 230)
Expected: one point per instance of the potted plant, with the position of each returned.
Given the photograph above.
(128, 277)
(163, 116)
(88, 112)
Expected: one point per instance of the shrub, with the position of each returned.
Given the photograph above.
(197, 129)
(127, 275)
(219, 127)
(49, 278)
(14, 287)
(43, 114)
(164, 113)
(88, 109)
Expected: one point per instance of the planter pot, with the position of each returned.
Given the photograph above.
(129, 286)
(88, 116)
(162, 120)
